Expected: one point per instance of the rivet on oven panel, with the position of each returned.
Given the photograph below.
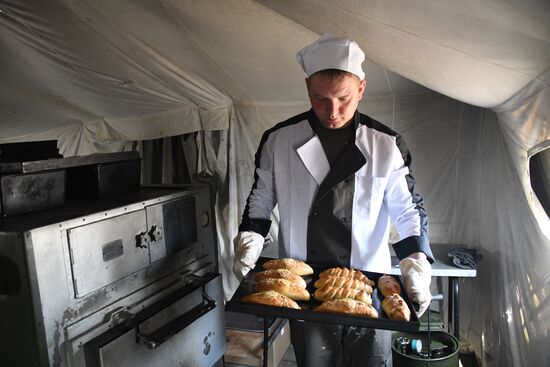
(205, 219)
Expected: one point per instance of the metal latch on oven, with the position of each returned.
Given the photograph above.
(146, 238)
(155, 233)
(118, 315)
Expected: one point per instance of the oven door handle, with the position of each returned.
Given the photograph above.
(155, 338)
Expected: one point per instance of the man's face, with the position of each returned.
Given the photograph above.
(334, 100)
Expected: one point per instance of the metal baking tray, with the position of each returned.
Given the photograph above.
(306, 313)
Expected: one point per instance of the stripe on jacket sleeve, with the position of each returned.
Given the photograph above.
(262, 225)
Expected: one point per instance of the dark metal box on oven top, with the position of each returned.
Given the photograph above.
(26, 192)
(104, 176)
(49, 183)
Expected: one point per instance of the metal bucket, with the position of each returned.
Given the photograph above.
(444, 350)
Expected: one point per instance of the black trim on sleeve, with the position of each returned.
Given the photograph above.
(413, 244)
(260, 226)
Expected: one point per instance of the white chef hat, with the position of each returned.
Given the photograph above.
(330, 52)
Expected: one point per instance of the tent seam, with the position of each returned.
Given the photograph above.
(459, 133)
(212, 59)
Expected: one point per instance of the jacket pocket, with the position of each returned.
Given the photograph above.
(369, 196)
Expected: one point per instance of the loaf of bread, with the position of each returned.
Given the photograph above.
(296, 266)
(280, 274)
(347, 273)
(283, 286)
(270, 298)
(328, 293)
(349, 306)
(388, 285)
(343, 282)
(395, 308)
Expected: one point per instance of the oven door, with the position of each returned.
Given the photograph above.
(186, 328)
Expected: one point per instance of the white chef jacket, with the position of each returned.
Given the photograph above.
(291, 165)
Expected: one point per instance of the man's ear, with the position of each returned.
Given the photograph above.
(308, 82)
(362, 88)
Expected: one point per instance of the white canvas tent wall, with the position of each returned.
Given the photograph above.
(465, 82)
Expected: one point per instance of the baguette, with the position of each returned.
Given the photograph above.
(349, 306)
(328, 293)
(347, 273)
(270, 298)
(388, 285)
(343, 282)
(296, 266)
(280, 274)
(283, 286)
(395, 308)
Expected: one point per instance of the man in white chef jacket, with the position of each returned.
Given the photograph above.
(338, 178)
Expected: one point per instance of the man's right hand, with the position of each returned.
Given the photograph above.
(248, 246)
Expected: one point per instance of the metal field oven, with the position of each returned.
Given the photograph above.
(126, 281)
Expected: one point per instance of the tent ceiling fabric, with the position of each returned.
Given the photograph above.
(104, 62)
(478, 52)
(97, 62)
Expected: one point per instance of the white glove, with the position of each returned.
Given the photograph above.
(416, 275)
(248, 246)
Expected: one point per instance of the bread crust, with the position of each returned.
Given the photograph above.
(347, 273)
(280, 274)
(395, 308)
(270, 298)
(296, 266)
(348, 306)
(284, 287)
(329, 293)
(343, 282)
(388, 285)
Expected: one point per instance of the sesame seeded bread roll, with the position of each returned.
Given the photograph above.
(270, 298)
(280, 274)
(349, 306)
(296, 266)
(284, 287)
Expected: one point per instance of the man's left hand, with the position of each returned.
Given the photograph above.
(416, 273)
